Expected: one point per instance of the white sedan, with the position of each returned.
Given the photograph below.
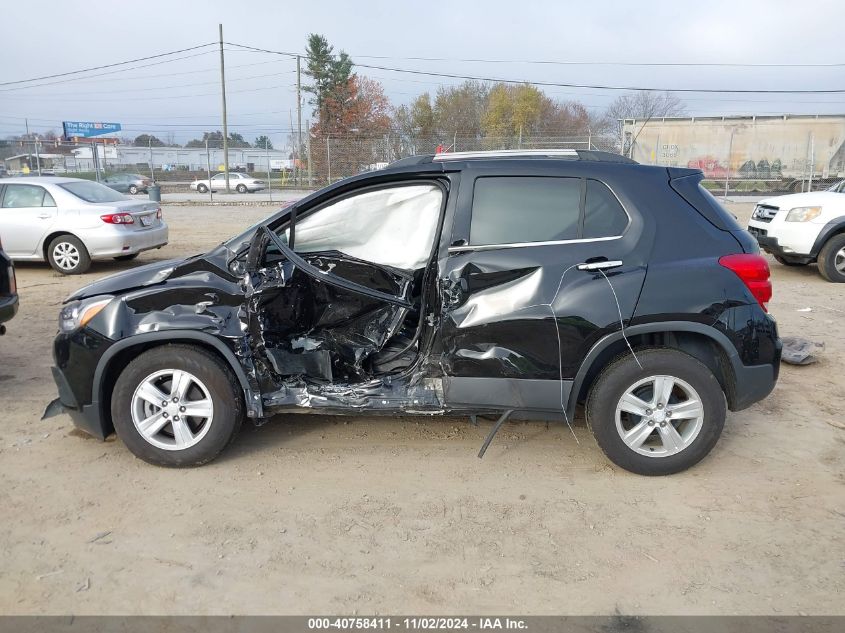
(242, 183)
(69, 222)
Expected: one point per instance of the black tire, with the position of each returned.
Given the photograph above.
(133, 189)
(217, 379)
(126, 258)
(623, 373)
(202, 188)
(241, 188)
(786, 262)
(831, 254)
(68, 255)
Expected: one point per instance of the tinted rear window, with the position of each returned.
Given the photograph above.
(513, 210)
(92, 192)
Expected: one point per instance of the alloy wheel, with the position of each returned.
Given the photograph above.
(659, 416)
(172, 409)
(839, 260)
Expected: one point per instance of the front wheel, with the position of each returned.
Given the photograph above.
(177, 405)
(658, 419)
(202, 188)
(133, 189)
(832, 259)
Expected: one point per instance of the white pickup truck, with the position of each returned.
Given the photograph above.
(802, 228)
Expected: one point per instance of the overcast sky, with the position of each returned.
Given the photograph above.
(182, 97)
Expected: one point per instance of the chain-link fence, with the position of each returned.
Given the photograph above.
(335, 157)
(736, 154)
(745, 154)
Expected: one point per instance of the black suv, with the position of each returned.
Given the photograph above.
(8, 290)
(504, 283)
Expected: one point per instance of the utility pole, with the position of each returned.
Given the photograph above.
(298, 155)
(308, 150)
(37, 156)
(28, 150)
(225, 124)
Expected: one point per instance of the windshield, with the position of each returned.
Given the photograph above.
(93, 192)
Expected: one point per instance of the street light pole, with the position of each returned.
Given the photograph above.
(225, 123)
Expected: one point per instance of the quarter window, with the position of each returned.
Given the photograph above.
(603, 215)
(515, 209)
(22, 196)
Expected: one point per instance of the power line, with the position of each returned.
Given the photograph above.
(85, 70)
(557, 84)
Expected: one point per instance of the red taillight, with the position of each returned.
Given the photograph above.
(158, 214)
(754, 272)
(117, 218)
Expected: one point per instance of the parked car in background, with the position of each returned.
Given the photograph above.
(3, 172)
(242, 183)
(69, 222)
(8, 289)
(802, 228)
(127, 183)
(479, 283)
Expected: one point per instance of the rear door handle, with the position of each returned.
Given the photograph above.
(600, 265)
(44, 216)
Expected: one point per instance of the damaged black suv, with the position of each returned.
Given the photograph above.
(507, 283)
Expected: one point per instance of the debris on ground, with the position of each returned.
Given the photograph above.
(799, 351)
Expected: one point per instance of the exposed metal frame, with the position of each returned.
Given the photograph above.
(505, 153)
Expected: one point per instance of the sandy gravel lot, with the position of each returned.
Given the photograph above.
(381, 515)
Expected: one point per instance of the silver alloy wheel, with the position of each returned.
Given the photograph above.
(66, 255)
(172, 409)
(659, 416)
(839, 260)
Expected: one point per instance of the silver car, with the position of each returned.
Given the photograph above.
(240, 182)
(69, 222)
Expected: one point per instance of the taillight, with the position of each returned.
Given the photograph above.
(13, 283)
(158, 214)
(754, 272)
(118, 218)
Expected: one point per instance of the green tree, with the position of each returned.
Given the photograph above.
(147, 140)
(331, 80)
(459, 109)
(237, 140)
(263, 142)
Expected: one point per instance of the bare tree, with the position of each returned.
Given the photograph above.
(643, 106)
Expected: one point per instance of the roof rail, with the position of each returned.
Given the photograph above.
(505, 153)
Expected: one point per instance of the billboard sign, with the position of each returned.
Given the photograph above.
(86, 129)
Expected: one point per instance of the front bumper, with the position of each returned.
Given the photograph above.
(76, 356)
(8, 307)
(772, 246)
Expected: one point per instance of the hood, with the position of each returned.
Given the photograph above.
(128, 280)
(808, 199)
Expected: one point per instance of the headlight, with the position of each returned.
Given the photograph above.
(75, 315)
(803, 214)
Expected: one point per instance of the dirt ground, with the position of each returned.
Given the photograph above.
(382, 515)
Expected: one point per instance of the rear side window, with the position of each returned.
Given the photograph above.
(22, 196)
(513, 210)
(603, 215)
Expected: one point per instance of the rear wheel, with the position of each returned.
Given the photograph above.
(832, 259)
(202, 188)
(177, 405)
(241, 188)
(68, 255)
(658, 419)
